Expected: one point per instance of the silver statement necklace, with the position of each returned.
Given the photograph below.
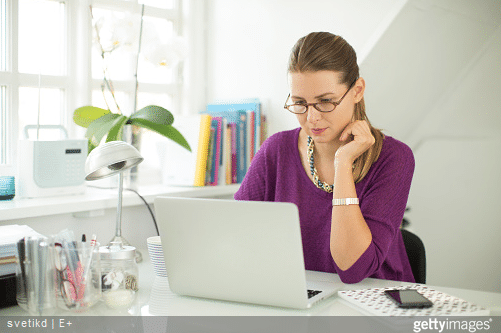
(318, 183)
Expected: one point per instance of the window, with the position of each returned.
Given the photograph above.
(50, 63)
(115, 54)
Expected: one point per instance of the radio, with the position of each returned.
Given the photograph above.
(51, 168)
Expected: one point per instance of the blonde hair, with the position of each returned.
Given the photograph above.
(319, 51)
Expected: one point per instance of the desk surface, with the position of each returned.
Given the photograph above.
(156, 299)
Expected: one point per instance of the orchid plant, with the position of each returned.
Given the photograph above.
(118, 34)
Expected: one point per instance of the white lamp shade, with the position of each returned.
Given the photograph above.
(110, 158)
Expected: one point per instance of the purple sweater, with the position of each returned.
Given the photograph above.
(277, 174)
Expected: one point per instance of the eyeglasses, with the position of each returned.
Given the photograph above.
(324, 106)
(65, 278)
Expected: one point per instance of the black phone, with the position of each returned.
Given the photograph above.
(408, 298)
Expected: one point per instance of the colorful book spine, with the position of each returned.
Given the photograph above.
(203, 150)
(217, 123)
(251, 131)
(239, 118)
(252, 104)
(241, 146)
(237, 135)
(263, 130)
(233, 128)
(228, 154)
(256, 106)
(209, 175)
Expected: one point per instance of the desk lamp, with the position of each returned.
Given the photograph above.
(107, 160)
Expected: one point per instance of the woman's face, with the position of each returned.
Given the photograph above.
(314, 87)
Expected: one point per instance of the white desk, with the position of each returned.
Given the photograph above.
(155, 299)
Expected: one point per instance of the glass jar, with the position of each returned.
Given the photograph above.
(7, 183)
(119, 273)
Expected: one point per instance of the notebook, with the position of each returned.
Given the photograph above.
(242, 251)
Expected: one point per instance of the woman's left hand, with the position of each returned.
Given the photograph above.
(356, 138)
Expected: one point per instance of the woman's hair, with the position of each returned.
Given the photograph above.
(320, 51)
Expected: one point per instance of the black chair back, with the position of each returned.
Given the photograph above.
(417, 255)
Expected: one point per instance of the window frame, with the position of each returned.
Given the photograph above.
(76, 80)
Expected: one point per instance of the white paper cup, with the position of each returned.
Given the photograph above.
(156, 255)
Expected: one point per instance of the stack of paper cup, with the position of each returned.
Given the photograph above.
(156, 255)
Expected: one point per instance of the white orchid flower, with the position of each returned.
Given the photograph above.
(166, 54)
(113, 33)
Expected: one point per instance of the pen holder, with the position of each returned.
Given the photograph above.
(77, 275)
(34, 276)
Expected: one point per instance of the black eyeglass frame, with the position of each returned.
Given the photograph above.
(63, 281)
(315, 105)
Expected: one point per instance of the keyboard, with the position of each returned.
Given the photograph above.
(312, 293)
(377, 303)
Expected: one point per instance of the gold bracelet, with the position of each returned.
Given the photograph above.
(345, 201)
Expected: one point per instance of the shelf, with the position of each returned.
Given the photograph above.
(96, 199)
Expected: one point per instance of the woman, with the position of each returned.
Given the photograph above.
(349, 181)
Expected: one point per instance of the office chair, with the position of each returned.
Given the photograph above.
(417, 255)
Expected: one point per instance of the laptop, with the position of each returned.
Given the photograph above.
(242, 251)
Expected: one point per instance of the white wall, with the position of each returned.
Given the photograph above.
(249, 44)
(433, 73)
(457, 185)
(435, 76)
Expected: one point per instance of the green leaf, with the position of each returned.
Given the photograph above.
(85, 115)
(154, 114)
(115, 133)
(166, 130)
(101, 126)
(90, 146)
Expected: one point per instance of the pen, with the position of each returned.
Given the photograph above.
(42, 266)
(86, 268)
(34, 274)
(72, 263)
(93, 242)
(21, 249)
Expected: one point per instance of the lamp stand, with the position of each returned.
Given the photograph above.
(118, 239)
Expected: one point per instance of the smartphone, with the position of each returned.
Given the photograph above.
(408, 298)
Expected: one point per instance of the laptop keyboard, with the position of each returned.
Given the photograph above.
(312, 293)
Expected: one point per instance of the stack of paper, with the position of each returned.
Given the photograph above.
(9, 236)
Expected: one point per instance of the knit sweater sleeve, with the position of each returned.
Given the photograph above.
(383, 199)
(258, 184)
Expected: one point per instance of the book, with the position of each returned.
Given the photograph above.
(263, 130)
(228, 160)
(209, 175)
(216, 147)
(248, 105)
(7, 265)
(9, 236)
(202, 150)
(239, 119)
(234, 141)
(233, 130)
(223, 170)
(251, 134)
(241, 145)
